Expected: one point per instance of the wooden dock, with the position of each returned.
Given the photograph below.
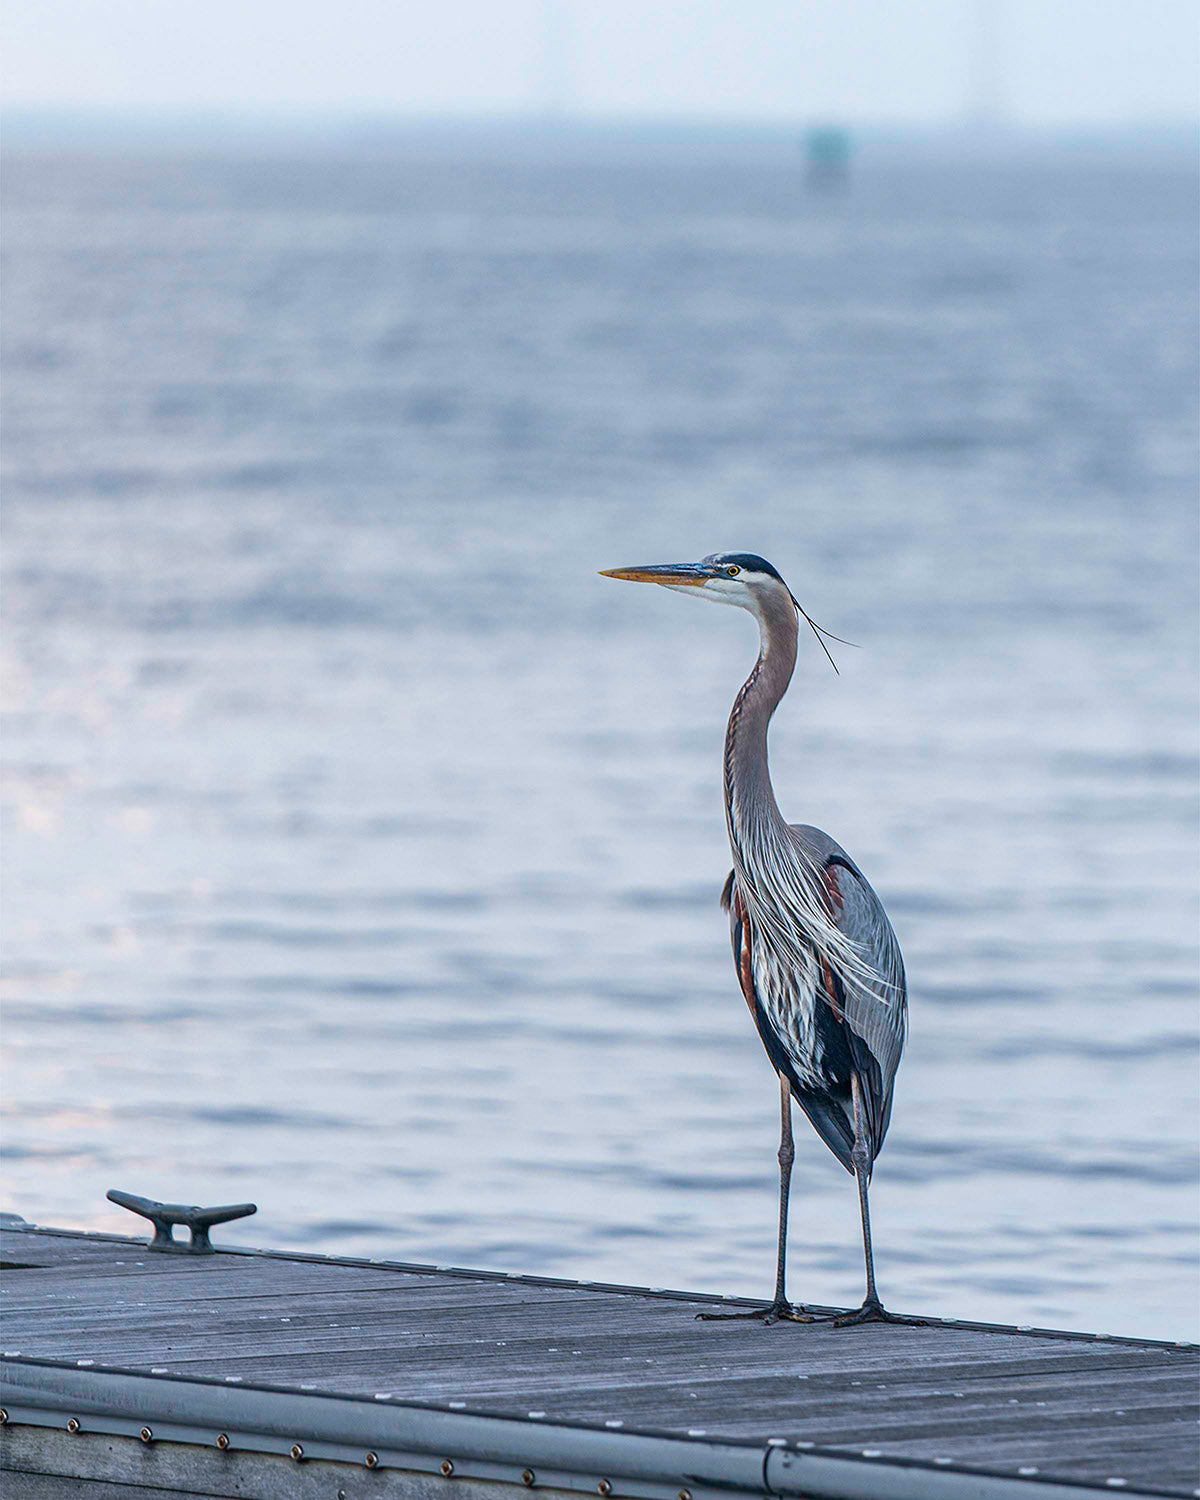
(129, 1374)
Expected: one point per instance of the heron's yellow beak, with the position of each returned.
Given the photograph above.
(674, 575)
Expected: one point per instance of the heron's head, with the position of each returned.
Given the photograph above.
(740, 578)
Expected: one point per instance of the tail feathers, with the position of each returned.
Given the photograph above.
(877, 1102)
(831, 1123)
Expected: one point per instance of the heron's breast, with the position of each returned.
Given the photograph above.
(787, 988)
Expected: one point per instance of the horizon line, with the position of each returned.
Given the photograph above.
(284, 117)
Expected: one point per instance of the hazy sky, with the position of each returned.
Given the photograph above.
(1071, 61)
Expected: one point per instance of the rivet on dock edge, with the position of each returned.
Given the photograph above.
(146, 1435)
(3, 1416)
(528, 1477)
(447, 1467)
(297, 1451)
(605, 1487)
(685, 1495)
(73, 1425)
(371, 1460)
(222, 1441)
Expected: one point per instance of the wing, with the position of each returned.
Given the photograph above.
(827, 1114)
(876, 1017)
(859, 1025)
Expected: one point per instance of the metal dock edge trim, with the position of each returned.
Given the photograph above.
(14, 1225)
(346, 1428)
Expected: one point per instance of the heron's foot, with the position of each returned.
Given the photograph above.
(873, 1311)
(778, 1312)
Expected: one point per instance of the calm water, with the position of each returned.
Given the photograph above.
(363, 847)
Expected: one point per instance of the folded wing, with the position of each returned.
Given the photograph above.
(861, 1026)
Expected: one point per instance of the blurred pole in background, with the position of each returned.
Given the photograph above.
(986, 106)
(554, 96)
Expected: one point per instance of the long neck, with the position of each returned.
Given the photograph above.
(749, 798)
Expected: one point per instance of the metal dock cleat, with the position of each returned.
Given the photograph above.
(165, 1215)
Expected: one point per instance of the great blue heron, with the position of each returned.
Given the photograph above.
(816, 957)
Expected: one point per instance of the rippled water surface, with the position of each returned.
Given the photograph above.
(363, 847)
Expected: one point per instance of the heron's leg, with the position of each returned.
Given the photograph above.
(780, 1307)
(787, 1155)
(862, 1170)
(872, 1310)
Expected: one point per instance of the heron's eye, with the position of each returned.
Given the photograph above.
(733, 570)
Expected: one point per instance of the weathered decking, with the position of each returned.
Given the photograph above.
(556, 1385)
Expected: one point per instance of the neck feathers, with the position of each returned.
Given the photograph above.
(781, 886)
(749, 797)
